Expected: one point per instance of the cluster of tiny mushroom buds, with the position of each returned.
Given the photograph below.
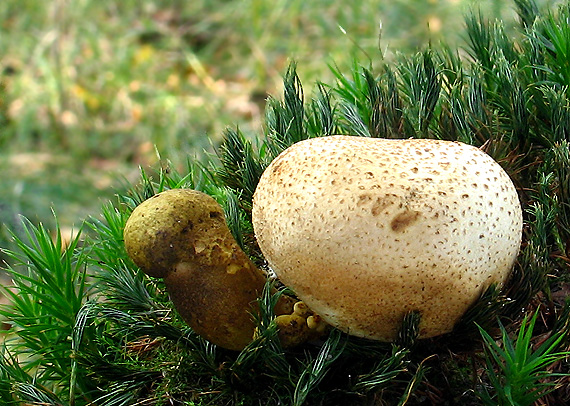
(300, 326)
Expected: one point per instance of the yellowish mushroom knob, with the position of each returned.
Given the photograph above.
(181, 235)
(300, 326)
(366, 230)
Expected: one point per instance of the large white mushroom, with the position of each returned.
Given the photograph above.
(366, 230)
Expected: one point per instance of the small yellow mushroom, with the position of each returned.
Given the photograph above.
(181, 235)
(300, 326)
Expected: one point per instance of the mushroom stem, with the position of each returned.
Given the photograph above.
(217, 304)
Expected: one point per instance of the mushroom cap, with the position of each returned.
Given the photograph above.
(366, 230)
(177, 225)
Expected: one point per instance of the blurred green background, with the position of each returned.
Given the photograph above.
(93, 89)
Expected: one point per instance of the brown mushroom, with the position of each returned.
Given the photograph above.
(181, 235)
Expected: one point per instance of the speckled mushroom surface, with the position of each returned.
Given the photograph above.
(365, 230)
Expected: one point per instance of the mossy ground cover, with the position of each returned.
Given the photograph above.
(87, 327)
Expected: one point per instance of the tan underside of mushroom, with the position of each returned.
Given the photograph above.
(365, 230)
